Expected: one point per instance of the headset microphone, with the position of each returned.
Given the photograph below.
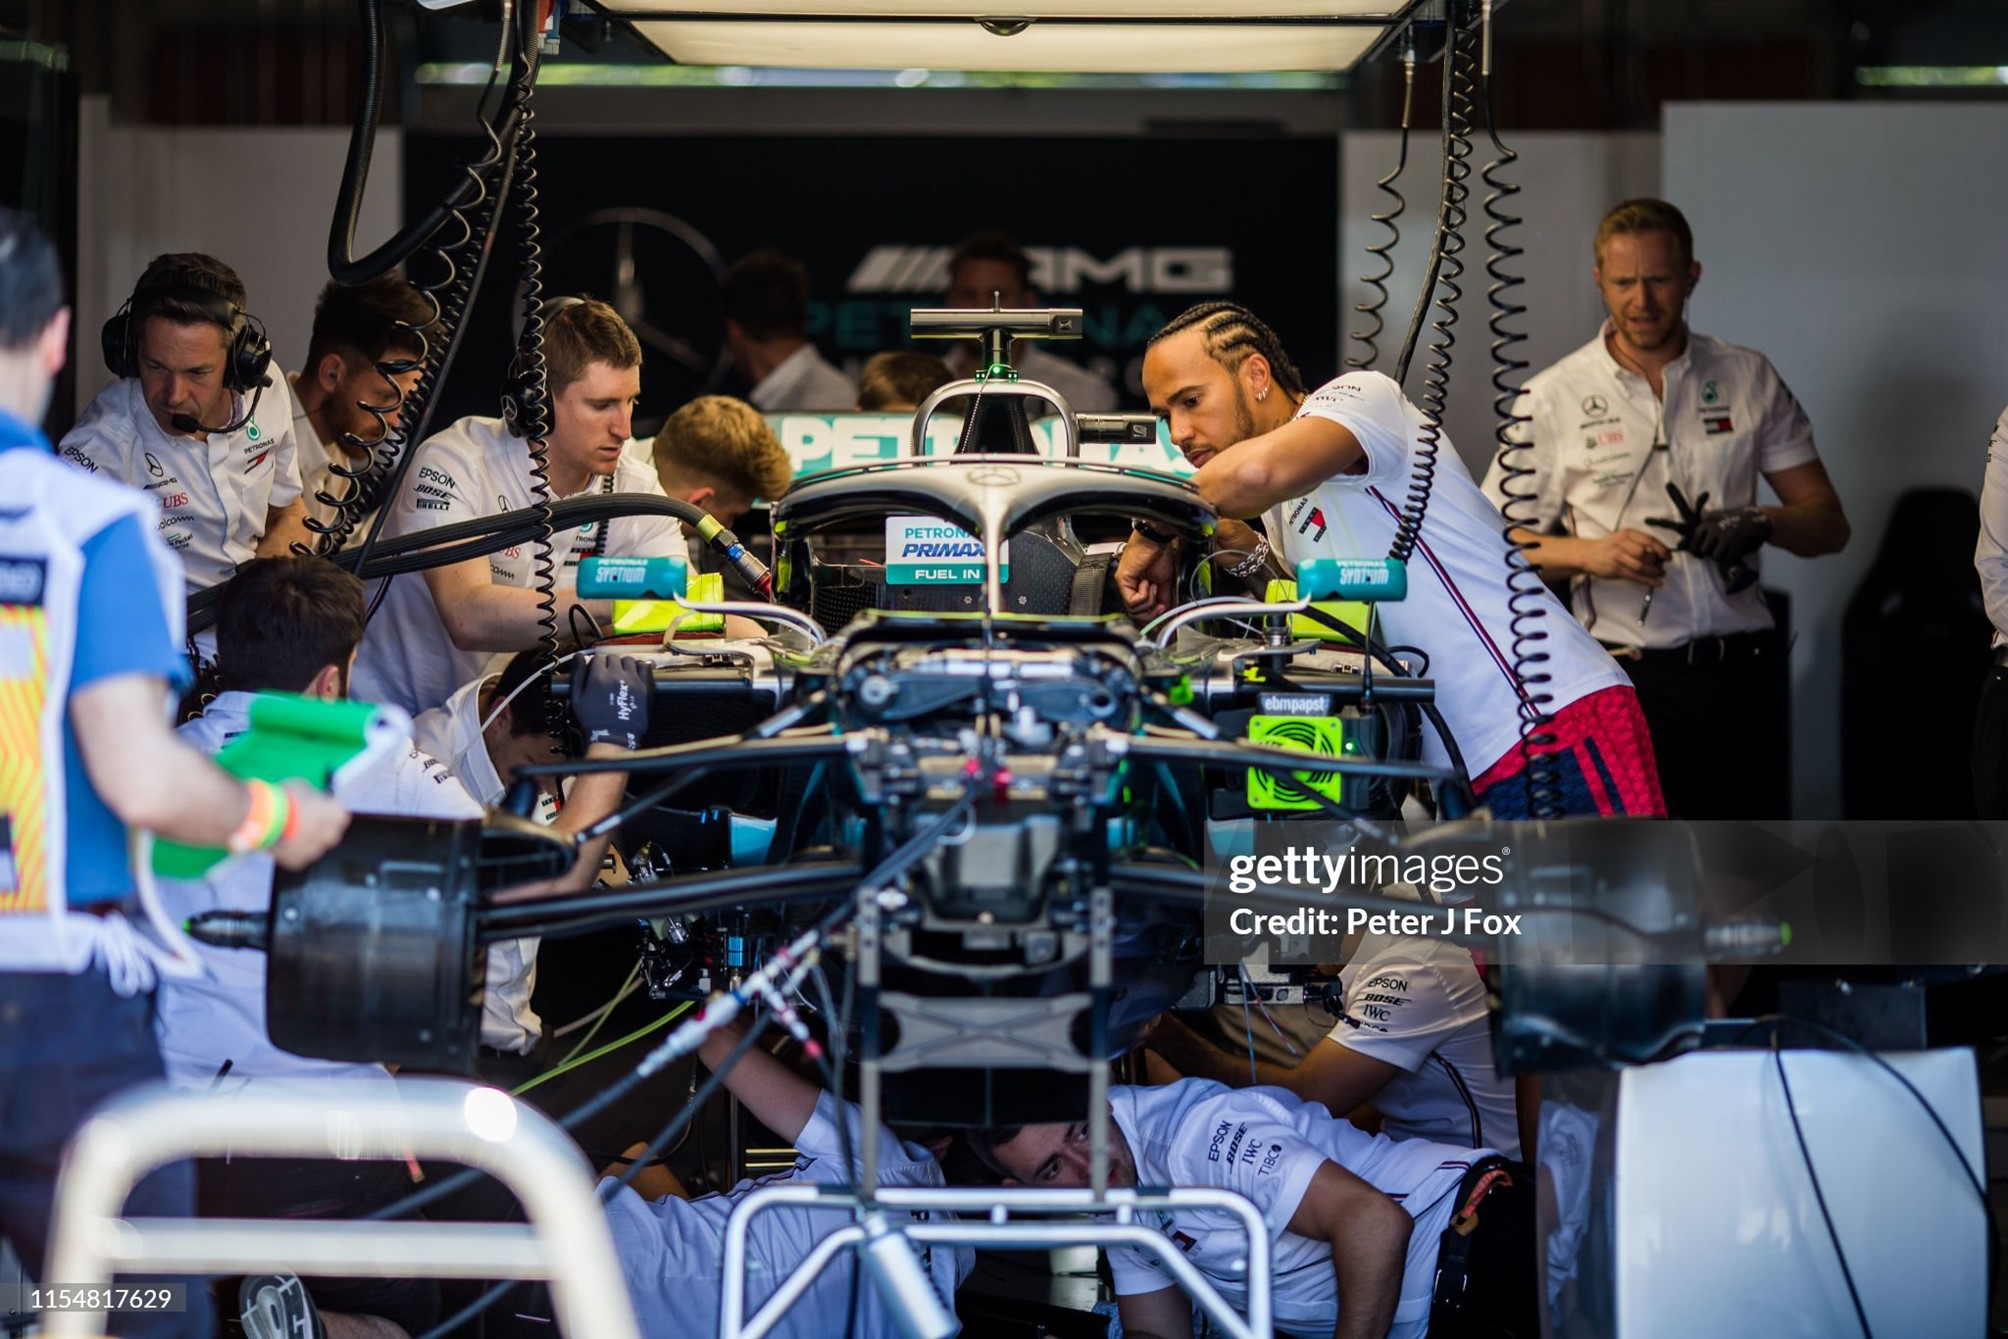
(188, 425)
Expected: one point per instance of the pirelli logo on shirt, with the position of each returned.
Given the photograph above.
(22, 580)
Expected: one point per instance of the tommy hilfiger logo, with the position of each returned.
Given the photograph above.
(1717, 423)
(1316, 516)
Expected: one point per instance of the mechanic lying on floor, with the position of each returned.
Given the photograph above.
(1328, 472)
(672, 1249)
(1360, 1224)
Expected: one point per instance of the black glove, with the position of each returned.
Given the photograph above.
(610, 699)
(1723, 537)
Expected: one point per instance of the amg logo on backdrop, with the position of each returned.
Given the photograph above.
(1056, 269)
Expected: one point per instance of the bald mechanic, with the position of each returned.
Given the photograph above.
(1325, 470)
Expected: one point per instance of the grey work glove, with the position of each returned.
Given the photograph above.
(610, 696)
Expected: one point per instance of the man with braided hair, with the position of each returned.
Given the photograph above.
(1327, 472)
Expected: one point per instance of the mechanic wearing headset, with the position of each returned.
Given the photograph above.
(291, 625)
(438, 628)
(1359, 1224)
(1328, 471)
(199, 419)
(90, 622)
(1646, 445)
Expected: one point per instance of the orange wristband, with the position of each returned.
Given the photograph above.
(252, 832)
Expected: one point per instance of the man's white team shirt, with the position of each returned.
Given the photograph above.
(672, 1250)
(221, 1017)
(474, 469)
(452, 733)
(1419, 1003)
(1266, 1144)
(214, 495)
(1727, 419)
(1457, 607)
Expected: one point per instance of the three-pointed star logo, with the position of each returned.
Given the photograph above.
(1595, 405)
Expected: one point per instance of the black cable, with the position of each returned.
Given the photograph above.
(388, 460)
(1527, 601)
(1819, 1195)
(469, 255)
(1460, 59)
(1384, 250)
(535, 410)
(1776, 1021)
(342, 265)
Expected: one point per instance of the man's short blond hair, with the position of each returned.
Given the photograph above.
(726, 443)
(1645, 214)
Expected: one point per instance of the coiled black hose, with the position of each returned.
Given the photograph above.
(465, 195)
(1460, 59)
(463, 261)
(1384, 250)
(1527, 600)
(534, 384)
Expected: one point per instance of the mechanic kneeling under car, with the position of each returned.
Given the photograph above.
(1370, 1236)
(291, 625)
(1328, 472)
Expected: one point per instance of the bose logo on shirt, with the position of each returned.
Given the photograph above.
(22, 579)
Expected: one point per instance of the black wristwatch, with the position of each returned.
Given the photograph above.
(1152, 533)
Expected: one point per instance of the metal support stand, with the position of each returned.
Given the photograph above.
(566, 1241)
(999, 1229)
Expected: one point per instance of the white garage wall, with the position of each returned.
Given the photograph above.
(1862, 247)
(259, 200)
(1567, 181)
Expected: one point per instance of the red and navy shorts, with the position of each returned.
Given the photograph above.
(1603, 764)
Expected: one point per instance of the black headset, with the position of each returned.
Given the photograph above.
(520, 391)
(250, 352)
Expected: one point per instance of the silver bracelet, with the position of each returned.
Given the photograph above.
(1253, 563)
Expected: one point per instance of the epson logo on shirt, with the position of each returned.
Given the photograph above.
(22, 579)
(81, 459)
(1219, 1138)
